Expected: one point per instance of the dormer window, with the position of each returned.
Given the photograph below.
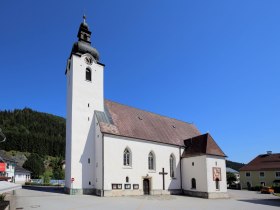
(88, 74)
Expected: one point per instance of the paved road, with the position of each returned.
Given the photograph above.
(240, 200)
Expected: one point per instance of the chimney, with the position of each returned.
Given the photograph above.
(269, 152)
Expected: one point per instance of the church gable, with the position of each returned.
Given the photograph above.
(135, 123)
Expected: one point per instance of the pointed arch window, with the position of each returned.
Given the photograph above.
(193, 183)
(151, 161)
(127, 157)
(217, 181)
(88, 74)
(172, 166)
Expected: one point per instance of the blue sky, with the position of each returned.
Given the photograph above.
(213, 63)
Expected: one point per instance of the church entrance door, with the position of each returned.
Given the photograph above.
(146, 186)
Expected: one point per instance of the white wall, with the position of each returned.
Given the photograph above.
(115, 172)
(10, 170)
(21, 178)
(197, 171)
(83, 97)
(202, 171)
(98, 177)
(215, 161)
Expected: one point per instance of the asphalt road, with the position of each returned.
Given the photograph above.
(51, 200)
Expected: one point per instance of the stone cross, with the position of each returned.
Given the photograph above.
(163, 180)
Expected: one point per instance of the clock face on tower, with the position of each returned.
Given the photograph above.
(88, 60)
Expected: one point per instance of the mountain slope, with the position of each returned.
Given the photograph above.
(31, 131)
(234, 165)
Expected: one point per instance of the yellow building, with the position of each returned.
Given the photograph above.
(264, 170)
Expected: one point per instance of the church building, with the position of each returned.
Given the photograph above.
(114, 149)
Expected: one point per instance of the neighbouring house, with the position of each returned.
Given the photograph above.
(237, 176)
(7, 167)
(22, 175)
(264, 170)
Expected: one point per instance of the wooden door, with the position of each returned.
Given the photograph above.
(146, 186)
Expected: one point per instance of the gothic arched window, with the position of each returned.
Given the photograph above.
(172, 165)
(88, 74)
(126, 157)
(193, 183)
(151, 161)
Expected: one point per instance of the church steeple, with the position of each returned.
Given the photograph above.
(84, 44)
(84, 32)
(85, 95)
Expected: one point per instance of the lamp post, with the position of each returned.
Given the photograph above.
(2, 134)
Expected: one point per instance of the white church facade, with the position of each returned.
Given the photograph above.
(114, 149)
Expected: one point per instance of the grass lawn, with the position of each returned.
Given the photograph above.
(277, 194)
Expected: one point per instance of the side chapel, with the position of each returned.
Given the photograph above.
(114, 149)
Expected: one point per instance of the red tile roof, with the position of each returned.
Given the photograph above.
(264, 162)
(201, 145)
(130, 122)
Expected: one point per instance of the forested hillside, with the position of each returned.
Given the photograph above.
(234, 165)
(31, 131)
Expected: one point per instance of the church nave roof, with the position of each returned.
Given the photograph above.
(131, 122)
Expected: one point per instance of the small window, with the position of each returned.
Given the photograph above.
(88, 160)
(8, 166)
(135, 186)
(192, 163)
(262, 184)
(172, 165)
(151, 159)
(89, 183)
(248, 174)
(127, 186)
(277, 174)
(127, 179)
(193, 183)
(261, 174)
(88, 74)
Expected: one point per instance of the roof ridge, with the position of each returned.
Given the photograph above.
(269, 154)
(151, 112)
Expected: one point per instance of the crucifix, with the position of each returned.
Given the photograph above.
(163, 180)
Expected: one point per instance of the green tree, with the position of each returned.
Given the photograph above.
(47, 176)
(35, 164)
(231, 178)
(56, 164)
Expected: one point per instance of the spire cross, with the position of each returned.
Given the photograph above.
(84, 17)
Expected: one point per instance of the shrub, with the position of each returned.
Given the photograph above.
(256, 188)
(276, 189)
(2, 197)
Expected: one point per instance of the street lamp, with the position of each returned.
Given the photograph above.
(2, 134)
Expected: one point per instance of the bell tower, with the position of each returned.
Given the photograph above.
(85, 94)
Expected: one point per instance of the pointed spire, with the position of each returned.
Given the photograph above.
(84, 17)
